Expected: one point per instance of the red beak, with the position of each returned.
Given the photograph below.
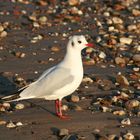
(89, 45)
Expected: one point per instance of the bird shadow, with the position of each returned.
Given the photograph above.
(39, 106)
(6, 86)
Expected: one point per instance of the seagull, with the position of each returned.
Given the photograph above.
(60, 80)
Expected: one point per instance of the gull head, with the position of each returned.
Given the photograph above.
(78, 42)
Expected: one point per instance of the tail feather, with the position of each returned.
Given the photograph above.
(14, 97)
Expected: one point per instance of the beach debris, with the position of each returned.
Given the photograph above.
(11, 125)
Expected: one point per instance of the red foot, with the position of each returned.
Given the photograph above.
(65, 117)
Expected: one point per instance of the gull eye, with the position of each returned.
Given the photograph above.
(72, 43)
(79, 42)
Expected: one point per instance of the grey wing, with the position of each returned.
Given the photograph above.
(49, 83)
(46, 73)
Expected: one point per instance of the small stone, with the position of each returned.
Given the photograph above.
(2, 109)
(77, 108)
(75, 98)
(132, 27)
(87, 80)
(6, 105)
(136, 69)
(63, 132)
(3, 34)
(132, 104)
(55, 49)
(19, 106)
(2, 122)
(89, 50)
(73, 2)
(112, 137)
(43, 20)
(19, 54)
(136, 57)
(120, 61)
(1, 28)
(102, 55)
(19, 124)
(119, 112)
(126, 121)
(105, 109)
(33, 17)
(10, 125)
(109, 21)
(125, 40)
(117, 20)
(111, 28)
(129, 136)
(122, 80)
(137, 47)
(35, 24)
(107, 14)
(64, 107)
(98, 39)
(136, 12)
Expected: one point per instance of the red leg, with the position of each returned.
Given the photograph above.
(58, 105)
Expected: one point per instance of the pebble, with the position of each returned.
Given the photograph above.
(77, 108)
(19, 54)
(131, 27)
(105, 109)
(1, 28)
(119, 112)
(65, 107)
(136, 57)
(126, 121)
(3, 34)
(136, 12)
(87, 80)
(2, 109)
(73, 2)
(117, 20)
(55, 49)
(112, 137)
(6, 105)
(102, 55)
(122, 80)
(111, 28)
(120, 61)
(132, 104)
(43, 20)
(75, 98)
(19, 106)
(63, 132)
(107, 14)
(19, 124)
(98, 39)
(36, 24)
(128, 136)
(2, 122)
(126, 40)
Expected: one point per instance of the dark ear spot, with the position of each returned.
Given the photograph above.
(72, 43)
(79, 42)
